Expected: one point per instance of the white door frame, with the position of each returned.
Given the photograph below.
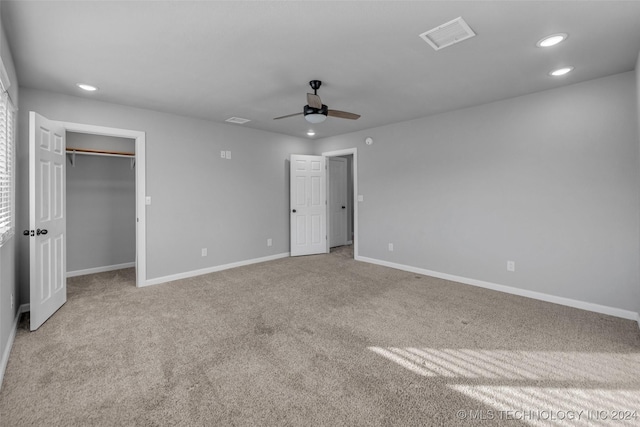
(141, 217)
(347, 152)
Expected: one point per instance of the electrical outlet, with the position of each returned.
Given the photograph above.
(269, 242)
(223, 154)
(204, 251)
(390, 247)
(360, 198)
(511, 266)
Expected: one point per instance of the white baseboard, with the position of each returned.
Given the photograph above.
(100, 269)
(12, 335)
(603, 309)
(208, 270)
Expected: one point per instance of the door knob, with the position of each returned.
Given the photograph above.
(294, 211)
(343, 207)
(39, 232)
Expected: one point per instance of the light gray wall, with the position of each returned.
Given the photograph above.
(548, 180)
(8, 262)
(638, 120)
(101, 210)
(198, 199)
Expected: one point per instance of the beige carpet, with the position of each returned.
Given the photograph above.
(317, 340)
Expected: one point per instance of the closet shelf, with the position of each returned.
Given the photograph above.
(86, 151)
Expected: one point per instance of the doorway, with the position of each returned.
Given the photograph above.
(100, 200)
(139, 159)
(342, 223)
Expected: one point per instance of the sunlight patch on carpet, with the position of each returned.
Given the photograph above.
(534, 387)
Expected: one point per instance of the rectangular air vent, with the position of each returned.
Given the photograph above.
(448, 34)
(238, 120)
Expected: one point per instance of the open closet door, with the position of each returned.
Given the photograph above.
(308, 181)
(47, 251)
(338, 201)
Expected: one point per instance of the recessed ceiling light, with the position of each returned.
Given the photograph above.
(561, 71)
(552, 40)
(88, 88)
(311, 133)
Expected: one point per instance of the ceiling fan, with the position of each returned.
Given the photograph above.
(315, 111)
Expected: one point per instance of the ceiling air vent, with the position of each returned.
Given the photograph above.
(447, 34)
(238, 120)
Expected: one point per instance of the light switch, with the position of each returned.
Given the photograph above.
(223, 154)
(360, 198)
(147, 200)
(228, 154)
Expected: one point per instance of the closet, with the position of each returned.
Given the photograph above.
(101, 205)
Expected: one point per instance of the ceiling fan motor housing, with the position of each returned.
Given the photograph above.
(310, 110)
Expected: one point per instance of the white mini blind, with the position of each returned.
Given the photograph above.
(7, 142)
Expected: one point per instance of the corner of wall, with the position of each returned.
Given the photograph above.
(6, 352)
(9, 316)
(7, 61)
(638, 122)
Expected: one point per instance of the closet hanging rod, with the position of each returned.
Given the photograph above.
(71, 152)
(99, 152)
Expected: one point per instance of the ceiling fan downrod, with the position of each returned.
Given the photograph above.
(315, 85)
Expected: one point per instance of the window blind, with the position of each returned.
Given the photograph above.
(7, 142)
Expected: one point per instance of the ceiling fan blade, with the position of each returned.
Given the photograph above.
(290, 115)
(343, 115)
(314, 101)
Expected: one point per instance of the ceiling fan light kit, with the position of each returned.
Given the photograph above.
(315, 115)
(315, 111)
(315, 118)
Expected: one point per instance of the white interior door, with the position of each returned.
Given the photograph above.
(338, 201)
(47, 243)
(308, 181)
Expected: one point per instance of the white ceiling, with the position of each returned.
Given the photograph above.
(214, 60)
